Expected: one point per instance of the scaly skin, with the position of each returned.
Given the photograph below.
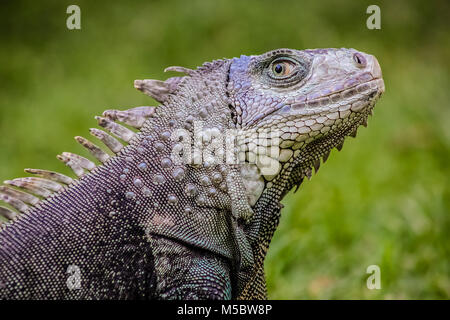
(152, 222)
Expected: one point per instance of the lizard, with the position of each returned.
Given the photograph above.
(183, 199)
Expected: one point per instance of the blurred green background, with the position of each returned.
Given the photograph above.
(383, 200)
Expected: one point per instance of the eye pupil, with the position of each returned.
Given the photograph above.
(278, 68)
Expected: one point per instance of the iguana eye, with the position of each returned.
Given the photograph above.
(282, 68)
(281, 71)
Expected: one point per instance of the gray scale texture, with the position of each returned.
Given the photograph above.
(143, 226)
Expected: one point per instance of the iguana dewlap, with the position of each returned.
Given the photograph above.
(183, 199)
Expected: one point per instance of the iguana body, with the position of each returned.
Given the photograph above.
(163, 217)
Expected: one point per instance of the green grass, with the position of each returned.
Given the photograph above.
(383, 200)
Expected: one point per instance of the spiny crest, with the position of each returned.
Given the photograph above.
(21, 194)
(161, 90)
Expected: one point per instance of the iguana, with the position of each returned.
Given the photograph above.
(185, 199)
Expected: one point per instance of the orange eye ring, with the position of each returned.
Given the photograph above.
(284, 71)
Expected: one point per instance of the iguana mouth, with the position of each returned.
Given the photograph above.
(375, 84)
(317, 104)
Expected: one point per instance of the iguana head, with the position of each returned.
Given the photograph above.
(304, 103)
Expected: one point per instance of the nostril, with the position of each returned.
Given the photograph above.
(359, 59)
